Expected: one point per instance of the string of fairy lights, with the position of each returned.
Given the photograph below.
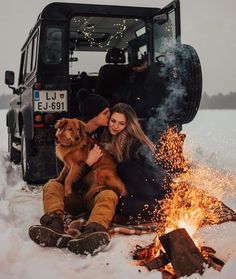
(89, 31)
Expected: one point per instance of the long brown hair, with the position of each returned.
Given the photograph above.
(119, 145)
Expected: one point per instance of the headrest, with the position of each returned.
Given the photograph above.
(115, 55)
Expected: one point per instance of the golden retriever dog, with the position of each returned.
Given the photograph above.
(72, 147)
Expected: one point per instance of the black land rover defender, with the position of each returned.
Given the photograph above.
(74, 46)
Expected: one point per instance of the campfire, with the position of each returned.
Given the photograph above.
(175, 254)
(174, 251)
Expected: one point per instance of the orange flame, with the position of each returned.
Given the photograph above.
(195, 192)
(194, 198)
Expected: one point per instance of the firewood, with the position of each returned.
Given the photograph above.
(183, 254)
(158, 262)
(145, 252)
(212, 260)
(167, 275)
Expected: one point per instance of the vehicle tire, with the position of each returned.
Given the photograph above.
(25, 156)
(173, 88)
(187, 71)
(14, 155)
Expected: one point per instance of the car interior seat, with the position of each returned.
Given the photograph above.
(112, 75)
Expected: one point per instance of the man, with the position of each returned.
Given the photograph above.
(95, 112)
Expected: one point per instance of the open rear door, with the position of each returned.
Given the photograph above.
(174, 77)
(166, 28)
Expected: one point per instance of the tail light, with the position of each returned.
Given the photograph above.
(37, 86)
(38, 118)
(49, 118)
(38, 121)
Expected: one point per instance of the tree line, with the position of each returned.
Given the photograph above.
(218, 101)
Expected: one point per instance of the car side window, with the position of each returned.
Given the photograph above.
(34, 51)
(21, 73)
(29, 59)
(53, 46)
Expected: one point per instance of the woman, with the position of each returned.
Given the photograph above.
(134, 151)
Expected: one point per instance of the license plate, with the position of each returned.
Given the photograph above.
(52, 101)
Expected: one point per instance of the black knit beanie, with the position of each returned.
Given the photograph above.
(90, 105)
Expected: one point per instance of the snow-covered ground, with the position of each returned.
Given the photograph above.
(211, 139)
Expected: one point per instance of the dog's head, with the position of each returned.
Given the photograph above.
(69, 131)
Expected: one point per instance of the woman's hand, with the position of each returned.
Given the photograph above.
(94, 155)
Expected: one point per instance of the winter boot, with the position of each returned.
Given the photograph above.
(50, 233)
(93, 240)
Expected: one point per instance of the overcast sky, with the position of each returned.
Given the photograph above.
(208, 25)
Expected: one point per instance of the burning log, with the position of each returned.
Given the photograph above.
(148, 252)
(211, 259)
(167, 275)
(180, 258)
(183, 254)
(158, 262)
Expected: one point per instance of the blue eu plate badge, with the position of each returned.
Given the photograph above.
(36, 95)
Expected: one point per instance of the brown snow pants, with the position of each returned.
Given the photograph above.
(102, 206)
